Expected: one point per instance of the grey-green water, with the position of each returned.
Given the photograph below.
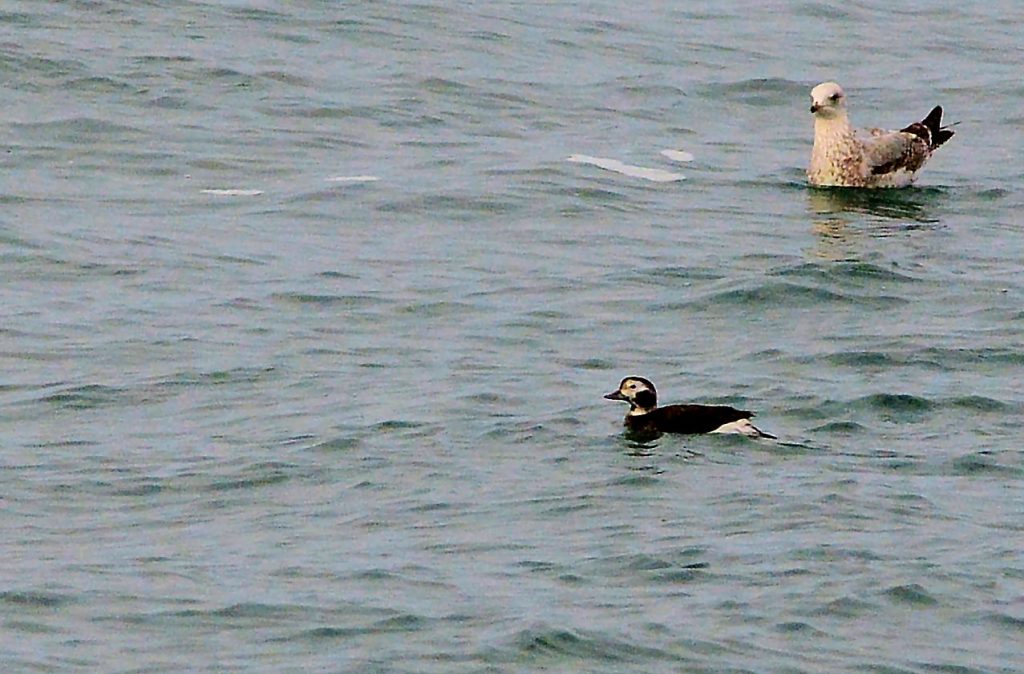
(255, 418)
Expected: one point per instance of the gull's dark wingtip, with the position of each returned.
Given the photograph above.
(939, 134)
(934, 118)
(930, 129)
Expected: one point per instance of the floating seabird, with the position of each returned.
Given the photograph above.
(847, 157)
(644, 415)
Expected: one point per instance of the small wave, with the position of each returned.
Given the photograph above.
(895, 402)
(640, 561)
(787, 295)
(616, 166)
(403, 427)
(862, 359)
(677, 155)
(33, 598)
(399, 623)
(966, 356)
(352, 179)
(1005, 620)
(340, 444)
(258, 475)
(352, 301)
(439, 309)
(844, 271)
(249, 610)
(558, 644)
(978, 403)
(142, 486)
(98, 84)
(912, 594)
(979, 463)
(799, 628)
(239, 375)
(460, 207)
(994, 194)
(758, 92)
(830, 554)
(78, 127)
(232, 192)
(840, 427)
(599, 364)
(846, 607)
(634, 481)
(90, 396)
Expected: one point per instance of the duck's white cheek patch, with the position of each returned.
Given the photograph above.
(743, 426)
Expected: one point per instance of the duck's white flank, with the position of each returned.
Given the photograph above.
(742, 426)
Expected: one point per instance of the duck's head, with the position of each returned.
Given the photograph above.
(638, 392)
(828, 100)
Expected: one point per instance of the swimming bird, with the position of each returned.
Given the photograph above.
(644, 415)
(847, 157)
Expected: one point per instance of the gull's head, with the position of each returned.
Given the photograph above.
(828, 100)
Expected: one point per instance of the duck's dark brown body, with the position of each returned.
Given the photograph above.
(686, 418)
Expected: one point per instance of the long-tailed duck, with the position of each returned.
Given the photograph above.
(847, 157)
(644, 415)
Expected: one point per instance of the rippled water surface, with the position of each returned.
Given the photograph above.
(306, 320)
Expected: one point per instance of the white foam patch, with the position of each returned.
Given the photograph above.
(233, 193)
(353, 179)
(677, 155)
(656, 175)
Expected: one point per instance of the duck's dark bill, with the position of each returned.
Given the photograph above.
(615, 395)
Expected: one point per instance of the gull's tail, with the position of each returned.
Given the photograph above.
(930, 129)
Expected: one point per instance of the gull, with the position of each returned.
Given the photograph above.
(847, 157)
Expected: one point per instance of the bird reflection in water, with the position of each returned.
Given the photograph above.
(844, 217)
(913, 205)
